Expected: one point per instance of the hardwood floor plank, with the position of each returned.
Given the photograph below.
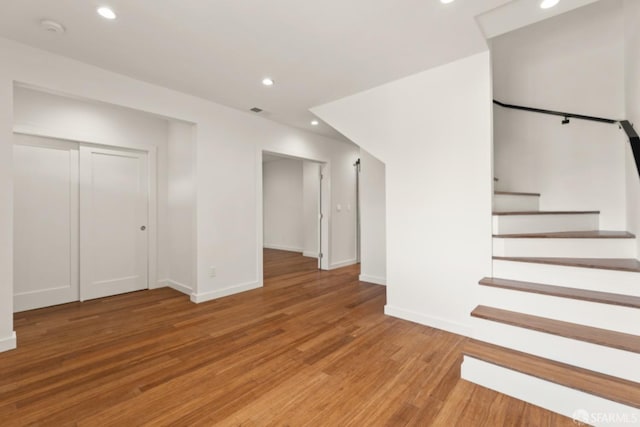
(512, 213)
(570, 330)
(593, 234)
(618, 264)
(310, 348)
(563, 292)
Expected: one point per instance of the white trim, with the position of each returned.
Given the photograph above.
(432, 321)
(343, 264)
(551, 396)
(9, 343)
(373, 279)
(220, 293)
(152, 215)
(259, 220)
(168, 283)
(283, 248)
(310, 254)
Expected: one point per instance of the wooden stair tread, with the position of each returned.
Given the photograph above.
(604, 337)
(515, 193)
(597, 384)
(545, 213)
(563, 292)
(619, 264)
(593, 234)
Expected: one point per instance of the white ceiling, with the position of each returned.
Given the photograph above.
(221, 49)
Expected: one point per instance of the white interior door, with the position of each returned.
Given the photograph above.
(114, 199)
(45, 222)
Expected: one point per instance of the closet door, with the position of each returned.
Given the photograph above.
(114, 198)
(45, 222)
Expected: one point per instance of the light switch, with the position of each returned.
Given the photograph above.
(339, 207)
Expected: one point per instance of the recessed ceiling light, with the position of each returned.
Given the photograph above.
(314, 123)
(267, 81)
(446, 1)
(546, 4)
(107, 13)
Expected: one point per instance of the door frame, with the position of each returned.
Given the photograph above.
(325, 205)
(152, 171)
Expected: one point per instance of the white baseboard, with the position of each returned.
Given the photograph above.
(343, 264)
(9, 343)
(178, 286)
(432, 321)
(283, 248)
(220, 293)
(373, 279)
(310, 254)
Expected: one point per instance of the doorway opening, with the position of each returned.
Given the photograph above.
(294, 226)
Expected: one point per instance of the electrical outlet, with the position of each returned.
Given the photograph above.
(212, 272)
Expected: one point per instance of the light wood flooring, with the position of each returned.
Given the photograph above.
(309, 349)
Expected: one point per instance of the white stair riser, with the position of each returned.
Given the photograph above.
(607, 360)
(510, 203)
(556, 398)
(597, 315)
(515, 224)
(594, 279)
(571, 248)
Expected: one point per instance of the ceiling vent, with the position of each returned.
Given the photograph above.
(256, 110)
(52, 26)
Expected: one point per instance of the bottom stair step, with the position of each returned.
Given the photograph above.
(604, 386)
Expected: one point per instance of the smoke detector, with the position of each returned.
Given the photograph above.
(52, 26)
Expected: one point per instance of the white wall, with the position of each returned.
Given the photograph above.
(310, 200)
(229, 148)
(181, 205)
(373, 241)
(433, 132)
(632, 92)
(572, 62)
(57, 116)
(283, 205)
(7, 336)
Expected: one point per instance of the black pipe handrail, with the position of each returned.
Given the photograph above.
(555, 113)
(634, 139)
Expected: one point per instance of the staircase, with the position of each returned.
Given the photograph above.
(558, 324)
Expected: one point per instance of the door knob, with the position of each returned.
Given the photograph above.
(143, 228)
